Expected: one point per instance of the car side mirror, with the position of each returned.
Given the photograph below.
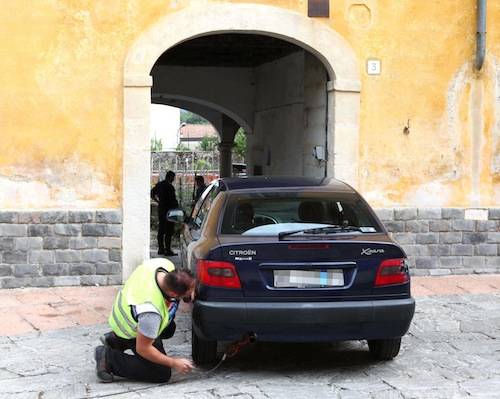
(176, 216)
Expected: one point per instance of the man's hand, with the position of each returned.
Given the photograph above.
(192, 290)
(182, 365)
(145, 348)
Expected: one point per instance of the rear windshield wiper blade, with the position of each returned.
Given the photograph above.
(320, 230)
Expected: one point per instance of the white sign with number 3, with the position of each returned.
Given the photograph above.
(373, 67)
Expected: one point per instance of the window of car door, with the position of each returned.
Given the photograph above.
(197, 206)
(202, 207)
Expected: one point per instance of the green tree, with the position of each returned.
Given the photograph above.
(192, 119)
(156, 144)
(202, 164)
(208, 143)
(182, 147)
(240, 142)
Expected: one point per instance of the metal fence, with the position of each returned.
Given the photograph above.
(185, 164)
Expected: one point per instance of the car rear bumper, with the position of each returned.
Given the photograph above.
(303, 321)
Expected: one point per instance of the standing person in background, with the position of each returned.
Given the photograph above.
(164, 194)
(200, 187)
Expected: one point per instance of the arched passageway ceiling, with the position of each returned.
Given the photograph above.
(242, 50)
(227, 90)
(210, 111)
(331, 48)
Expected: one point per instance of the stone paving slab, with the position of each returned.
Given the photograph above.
(41, 309)
(452, 351)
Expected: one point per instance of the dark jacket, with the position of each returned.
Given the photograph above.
(164, 193)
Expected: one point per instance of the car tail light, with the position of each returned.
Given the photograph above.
(218, 274)
(392, 271)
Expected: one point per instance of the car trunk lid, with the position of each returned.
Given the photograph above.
(340, 268)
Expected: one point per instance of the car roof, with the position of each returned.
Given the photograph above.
(284, 182)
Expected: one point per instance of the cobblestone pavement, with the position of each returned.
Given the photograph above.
(451, 351)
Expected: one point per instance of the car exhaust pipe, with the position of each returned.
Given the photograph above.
(235, 347)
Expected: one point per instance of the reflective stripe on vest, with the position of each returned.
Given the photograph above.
(132, 325)
(119, 320)
(118, 324)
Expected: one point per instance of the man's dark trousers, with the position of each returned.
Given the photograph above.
(134, 366)
(164, 193)
(165, 231)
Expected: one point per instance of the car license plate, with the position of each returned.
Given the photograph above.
(308, 278)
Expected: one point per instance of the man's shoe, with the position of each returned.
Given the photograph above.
(161, 252)
(170, 253)
(100, 365)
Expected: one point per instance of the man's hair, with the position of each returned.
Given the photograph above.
(179, 281)
(170, 176)
(199, 179)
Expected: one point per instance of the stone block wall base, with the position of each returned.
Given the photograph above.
(60, 248)
(442, 241)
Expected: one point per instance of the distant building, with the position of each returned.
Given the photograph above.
(192, 135)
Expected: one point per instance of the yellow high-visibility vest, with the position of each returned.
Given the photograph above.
(140, 289)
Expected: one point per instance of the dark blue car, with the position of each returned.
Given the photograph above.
(293, 260)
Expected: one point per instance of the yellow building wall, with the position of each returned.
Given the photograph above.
(61, 102)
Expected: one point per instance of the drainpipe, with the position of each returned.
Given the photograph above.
(481, 34)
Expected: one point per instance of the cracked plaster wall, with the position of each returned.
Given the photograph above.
(61, 117)
(449, 155)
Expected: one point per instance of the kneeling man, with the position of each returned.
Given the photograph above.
(142, 316)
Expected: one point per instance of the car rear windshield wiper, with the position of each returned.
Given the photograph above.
(321, 230)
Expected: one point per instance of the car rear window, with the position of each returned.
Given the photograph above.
(273, 213)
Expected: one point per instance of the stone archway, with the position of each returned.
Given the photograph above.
(326, 44)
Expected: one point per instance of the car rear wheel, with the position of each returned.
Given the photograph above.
(203, 351)
(384, 349)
